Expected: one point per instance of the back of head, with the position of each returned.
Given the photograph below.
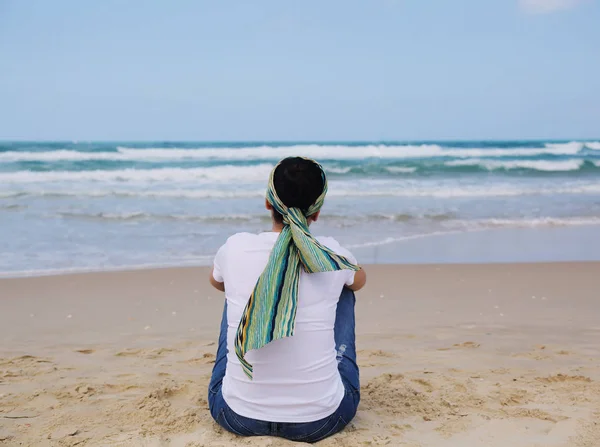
(298, 183)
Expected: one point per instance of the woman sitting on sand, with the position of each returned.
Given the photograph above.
(286, 361)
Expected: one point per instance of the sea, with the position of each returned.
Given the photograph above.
(86, 206)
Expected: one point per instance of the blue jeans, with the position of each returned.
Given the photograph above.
(345, 344)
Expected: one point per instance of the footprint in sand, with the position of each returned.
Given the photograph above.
(125, 375)
(206, 358)
(380, 353)
(375, 353)
(85, 351)
(464, 345)
(561, 378)
(128, 353)
(467, 344)
(22, 360)
(368, 358)
(536, 354)
(145, 353)
(160, 352)
(425, 384)
(514, 397)
(534, 413)
(401, 428)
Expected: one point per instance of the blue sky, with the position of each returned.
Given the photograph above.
(299, 70)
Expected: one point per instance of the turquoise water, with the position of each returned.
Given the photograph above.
(88, 205)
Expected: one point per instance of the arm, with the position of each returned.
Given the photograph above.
(360, 279)
(216, 276)
(220, 286)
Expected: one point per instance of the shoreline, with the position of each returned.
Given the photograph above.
(579, 243)
(40, 274)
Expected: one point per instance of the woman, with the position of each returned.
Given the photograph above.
(286, 360)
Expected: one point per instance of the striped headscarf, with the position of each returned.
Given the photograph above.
(271, 310)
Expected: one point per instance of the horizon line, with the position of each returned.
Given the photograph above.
(315, 141)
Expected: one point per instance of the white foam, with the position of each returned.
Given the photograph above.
(594, 145)
(391, 240)
(220, 218)
(337, 189)
(538, 165)
(335, 170)
(321, 152)
(128, 193)
(216, 174)
(227, 173)
(59, 155)
(537, 222)
(140, 215)
(199, 260)
(359, 191)
(400, 169)
(342, 152)
(570, 148)
(445, 192)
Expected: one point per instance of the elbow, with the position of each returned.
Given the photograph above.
(360, 279)
(220, 286)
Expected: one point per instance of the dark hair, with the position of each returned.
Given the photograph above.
(298, 183)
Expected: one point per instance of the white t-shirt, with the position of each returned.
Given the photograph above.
(295, 379)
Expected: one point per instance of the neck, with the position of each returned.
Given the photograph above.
(277, 227)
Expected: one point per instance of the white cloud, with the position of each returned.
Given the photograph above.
(547, 6)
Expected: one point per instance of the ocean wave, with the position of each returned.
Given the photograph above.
(335, 191)
(400, 169)
(316, 151)
(537, 165)
(226, 173)
(336, 170)
(342, 152)
(262, 217)
(133, 194)
(594, 145)
(140, 215)
(571, 148)
(258, 173)
(59, 155)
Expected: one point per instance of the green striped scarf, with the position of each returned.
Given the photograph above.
(271, 310)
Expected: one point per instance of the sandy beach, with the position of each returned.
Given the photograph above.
(451, 355)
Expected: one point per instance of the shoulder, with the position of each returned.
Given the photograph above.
(335, 246)
(240, 238)
(233, 241)
(244, 241)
